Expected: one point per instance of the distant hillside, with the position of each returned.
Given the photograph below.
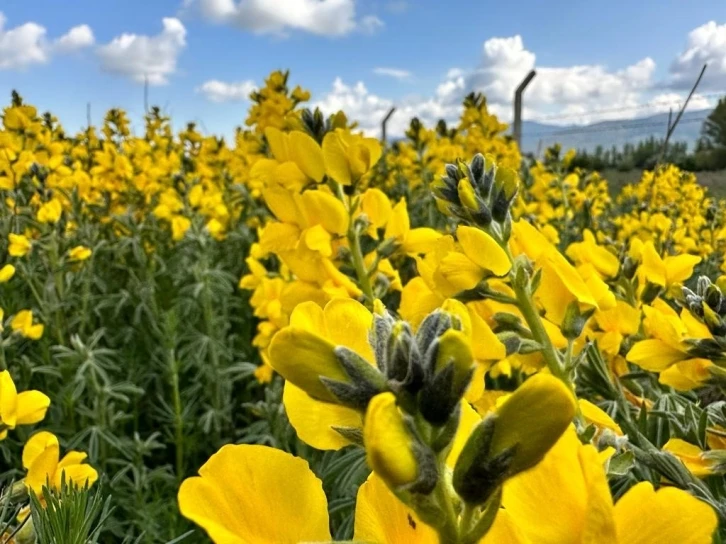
(609, 133)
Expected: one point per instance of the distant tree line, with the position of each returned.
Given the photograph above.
(709, 153)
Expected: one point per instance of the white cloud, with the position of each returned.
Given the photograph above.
(76, 38)
(706, 44)
(279, 17)
(22, 46)
(395, 73)
(370, 24)
(569, 90)
(369, 109)
(322, 17)
(219, 91)
(27, 44)
(146, 57)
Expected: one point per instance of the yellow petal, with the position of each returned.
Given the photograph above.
(644, 516)
(653, 267)
(418, 301)
(686, 375)
(336, 159)
(8, 400)
(377, 207)
(249, 494)
(680, 267)
(303, 358)
(532, 419)
(420, 240)
(399, 224)
(595, 415)
(306, 153)
(482, 249)
(460, 271)
(655, 355)
(388, 442)
(32, 406)
(38, 443)
(278, 143)
(309, 316)
(79, 474)
(349, 324)
(314, 420)
(381, 518)
(323, 208)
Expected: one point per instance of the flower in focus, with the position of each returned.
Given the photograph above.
(41, 458)
(247, 494)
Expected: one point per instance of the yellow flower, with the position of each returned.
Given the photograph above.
(582, 508)
(527, 424)
(22, 324)
(50, 212)
(413, 241)
(304, 351)
(23, 408)
(19, 245)
(389, 445)
(348, 157)
(700, 463)
(179, 227)
(668, 271)
(594, 415)
(588, 251)
(249, 494)
(6, 273)
(79, 253)
(41, 458)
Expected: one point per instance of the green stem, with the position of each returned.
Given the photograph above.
(213, 355)
(178, 420)
(539, 334)
(361, 272)
(448, 530)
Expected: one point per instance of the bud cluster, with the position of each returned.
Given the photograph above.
(476, 194)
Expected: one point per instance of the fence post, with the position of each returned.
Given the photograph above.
(517, 129)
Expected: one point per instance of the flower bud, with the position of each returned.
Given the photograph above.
(392, 451)
(515, 438)
(574, 320)
(449, 363)
(506, 184)
(467, 196)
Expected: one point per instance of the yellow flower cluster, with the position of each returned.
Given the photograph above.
(486, 333)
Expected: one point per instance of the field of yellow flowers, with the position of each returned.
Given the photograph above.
(308, 334)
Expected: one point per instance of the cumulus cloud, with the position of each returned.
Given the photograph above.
(278, 17)
(142, 58)
(369, 109)
(395, 73)
(572, 89)
(322, 17)
(27, 44)
(219, 91)
(76, 38)
(705, 44)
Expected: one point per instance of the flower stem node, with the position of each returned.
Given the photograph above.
(515, 438)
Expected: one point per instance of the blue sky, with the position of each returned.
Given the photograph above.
(591, 56)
